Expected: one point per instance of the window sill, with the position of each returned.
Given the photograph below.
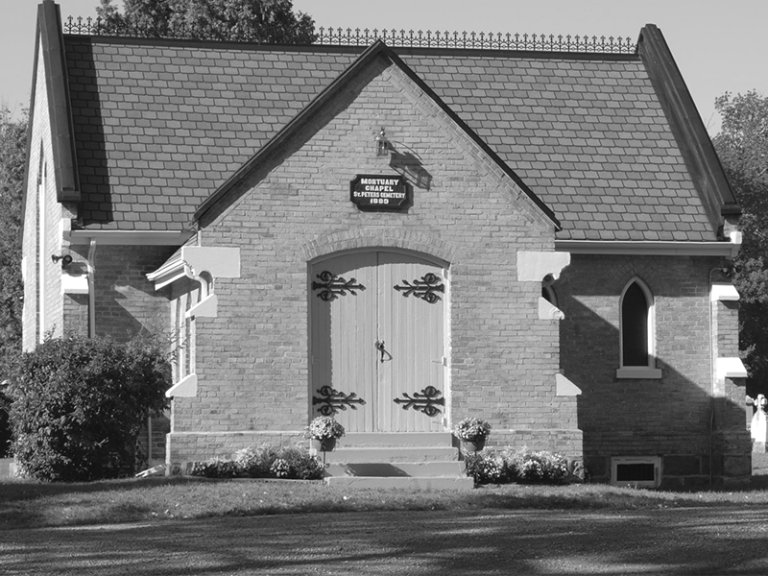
(639, 373)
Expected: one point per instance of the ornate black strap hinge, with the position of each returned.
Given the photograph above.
(426, 288)
(331, 401)
(426, 401)
(332, 286)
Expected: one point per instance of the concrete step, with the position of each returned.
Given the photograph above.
(397, 469)
(389, 454)
(405, 460)
(402, 482)
(403, 439)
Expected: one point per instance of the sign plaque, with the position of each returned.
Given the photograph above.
(377, 193)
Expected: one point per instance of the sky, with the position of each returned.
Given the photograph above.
(720, 46)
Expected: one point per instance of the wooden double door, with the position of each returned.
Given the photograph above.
(377, 346)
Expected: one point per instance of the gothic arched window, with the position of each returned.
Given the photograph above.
(637, 332)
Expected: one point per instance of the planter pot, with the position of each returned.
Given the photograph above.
(325, 445)
(473, 445)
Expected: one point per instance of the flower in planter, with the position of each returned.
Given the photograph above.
(324, 428)
(472, 429)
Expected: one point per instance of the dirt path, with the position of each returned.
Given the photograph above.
(688, 541)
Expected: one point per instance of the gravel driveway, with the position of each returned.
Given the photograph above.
(667, 541)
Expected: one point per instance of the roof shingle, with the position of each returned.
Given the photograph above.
(164, 126)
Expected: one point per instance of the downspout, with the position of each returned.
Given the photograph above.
(91, 290)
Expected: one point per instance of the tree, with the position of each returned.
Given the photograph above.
(262, 21)
(742, 145)
(13, 152)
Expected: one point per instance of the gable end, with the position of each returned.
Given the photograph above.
(695, 145)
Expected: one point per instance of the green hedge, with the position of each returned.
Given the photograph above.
(79, 404)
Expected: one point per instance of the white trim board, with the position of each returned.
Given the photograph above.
(648, 248)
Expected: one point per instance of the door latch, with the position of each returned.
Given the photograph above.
(380, 348)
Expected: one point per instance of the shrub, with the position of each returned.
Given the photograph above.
(486, 467)
(265, 461)
(539, 467)
(5, 425)
(79, 405)
(524, 466)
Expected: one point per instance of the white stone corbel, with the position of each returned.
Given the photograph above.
(565, 387)
(723, 291)
(74, 284)
(535, 266)
(548, 311)
(184, 388)
(544, 267)
(203, 265)
(730, 368)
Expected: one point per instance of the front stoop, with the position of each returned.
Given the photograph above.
(416, 461)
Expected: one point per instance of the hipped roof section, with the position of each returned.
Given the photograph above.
(377, 49)
(614, 149)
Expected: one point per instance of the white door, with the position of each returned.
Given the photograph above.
(378, 341)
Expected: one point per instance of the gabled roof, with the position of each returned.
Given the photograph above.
(377, 49)
(160, 125)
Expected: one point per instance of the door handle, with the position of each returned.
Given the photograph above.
(382, 350)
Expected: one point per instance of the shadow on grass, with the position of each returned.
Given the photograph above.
(708, 541)
(25, 504)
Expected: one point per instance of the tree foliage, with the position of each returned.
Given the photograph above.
(79, 405)
(742, 145)
(13, 148)
(262, 21)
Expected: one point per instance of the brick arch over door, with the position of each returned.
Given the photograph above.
(427, 245)
(378, 333)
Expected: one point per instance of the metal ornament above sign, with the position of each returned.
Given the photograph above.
(377, 193)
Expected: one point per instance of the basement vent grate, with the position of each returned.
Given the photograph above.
(636, 471)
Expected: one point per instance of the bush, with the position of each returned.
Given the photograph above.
(5, 425)
(524, 466)
(79, 405)
(540, 467)
(288, 462)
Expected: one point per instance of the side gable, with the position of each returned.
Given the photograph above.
(375, 51)
(695, 144)
(51, 41)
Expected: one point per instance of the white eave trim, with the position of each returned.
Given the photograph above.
(129, 237)
(168, 273)
(649, 248)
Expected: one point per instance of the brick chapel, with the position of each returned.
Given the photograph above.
(403, 233)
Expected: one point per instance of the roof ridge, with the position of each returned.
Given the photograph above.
(402, 38)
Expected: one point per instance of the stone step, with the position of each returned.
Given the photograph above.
(405, 439)
(388, 454)
(398, 469)
(402, 482)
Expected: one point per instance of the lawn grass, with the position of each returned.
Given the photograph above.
(26, 504)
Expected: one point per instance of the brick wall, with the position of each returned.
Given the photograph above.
(126, 302)
(41, 298)
(673, 416)
(252, 360)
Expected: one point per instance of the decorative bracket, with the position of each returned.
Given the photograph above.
(202, 264)
(426, 401)
(332, 401)
(426, 288)
(332, 286)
